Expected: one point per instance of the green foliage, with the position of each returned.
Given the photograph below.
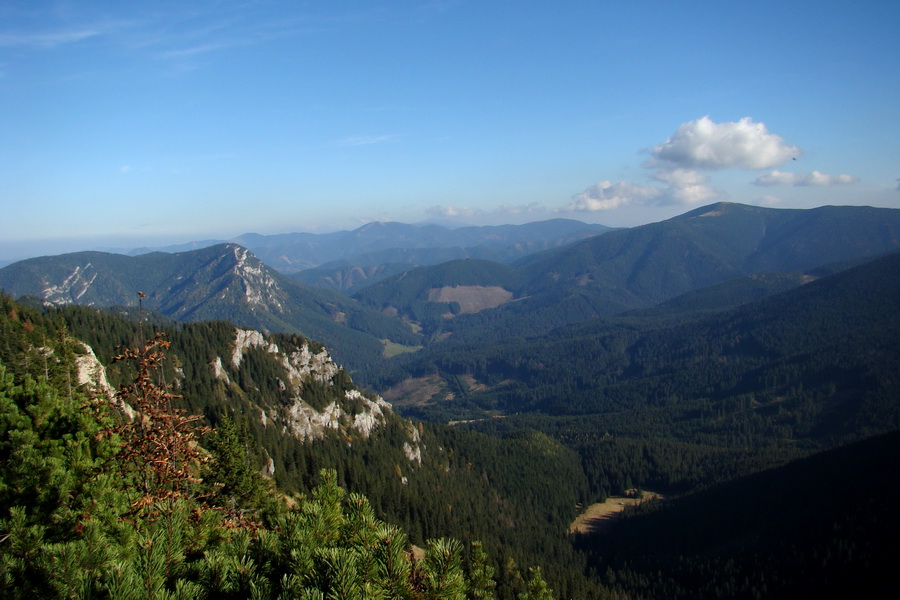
(481, 574)
(536, 587)
(238, 485)
(57, 502)
(675, 401)
(97, 506)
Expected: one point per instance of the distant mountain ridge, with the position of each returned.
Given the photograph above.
(644, 266)
(379, 242)
(473, 299)
(715, 243)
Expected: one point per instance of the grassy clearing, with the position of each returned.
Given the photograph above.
(598, 518)
(418, 392)
(392, 349)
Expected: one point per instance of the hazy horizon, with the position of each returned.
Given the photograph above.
(120, 244)
(124, 244)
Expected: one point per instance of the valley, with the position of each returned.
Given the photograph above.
(729, 348)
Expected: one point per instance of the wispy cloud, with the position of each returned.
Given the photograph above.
(47, 40)
(464, 212)
(365, 140)
(194, 50)
(451, 212)
(171, 35)
(815, 178)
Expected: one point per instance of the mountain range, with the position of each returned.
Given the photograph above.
(343, 259)
(833, 339)
(712, 358)
(471, 298)
(633, 268)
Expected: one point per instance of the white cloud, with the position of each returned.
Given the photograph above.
(704, 144)
(769, 200)
(685, 186)
(606, 195)
(816, 178)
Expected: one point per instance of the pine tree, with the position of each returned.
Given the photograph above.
(537, 587)
(237, 484)
(481, 582)
(443, 574)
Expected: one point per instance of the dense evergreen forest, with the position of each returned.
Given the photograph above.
(822, 527)
(810, 367)
(93, 504)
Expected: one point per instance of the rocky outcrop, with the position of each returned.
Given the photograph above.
(350, 410)
(90, 375)
(71, 289)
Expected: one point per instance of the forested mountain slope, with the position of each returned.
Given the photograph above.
(298, 413)
(640, 267)
(818, 361)
(219, 282)
(808, 529)
(95, 504)
(715, 243)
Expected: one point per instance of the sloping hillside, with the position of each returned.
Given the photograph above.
(639, 267)
(816, 361)
(219, 282)
(708, 245)
(820, 527)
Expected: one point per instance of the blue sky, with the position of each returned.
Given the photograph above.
(128, 124)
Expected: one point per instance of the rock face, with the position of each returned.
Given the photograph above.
(188, 286)
(346, 410)
(71, 289)
(287, 383)
(260, 288)
(91, 376)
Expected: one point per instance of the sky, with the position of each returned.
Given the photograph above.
(128, 124)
